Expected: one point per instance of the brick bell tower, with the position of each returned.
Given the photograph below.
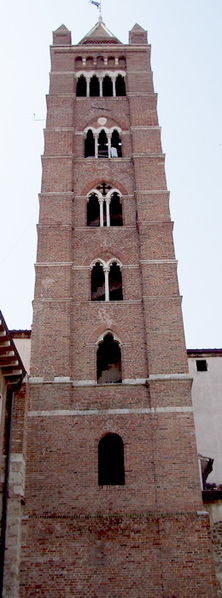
(113, 504)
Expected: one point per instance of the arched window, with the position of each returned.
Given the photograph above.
(93, 211)
(115, 283)
(109, 366)
(111, 61)
(116, 145)
(107, 86)
(98, 283)
(103, 145)
(122, 61)
(115, 208)
(89, 61)
(106, 281)
(111, 461)
(120, 86)
(89, 145)
(94, 86)
(78, 62)
(81, 86)
(100, 61)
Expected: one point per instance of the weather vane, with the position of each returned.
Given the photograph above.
(99, 6)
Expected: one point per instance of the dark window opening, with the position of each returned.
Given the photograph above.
(94, 86)
(109, 367)
(107, 86)
(115, 283)
(122, 61)
(100, 61)
(116, 144)
(104, 214)
(116, 218)
(89, 145)
(81, 87)
(97, 283)
(201, 365)
(111, 461)
(120, 86)
(102, 145)
(89, 61)
(111, 61)
(93, 212)
(78, 62)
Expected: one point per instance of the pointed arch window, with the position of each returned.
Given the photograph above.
(116, 145)
(106, 281)
(103, 151)
(93, 210)
(115, 208)
(111, 461)
(109, 364)
(120, 86)
(115, 283)
(89, 145)
(103, 143)
(107, 86)
(104, 207)
(94, 86)
(98, 282)
(81, 86)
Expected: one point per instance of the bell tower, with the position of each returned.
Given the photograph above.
(113, 504)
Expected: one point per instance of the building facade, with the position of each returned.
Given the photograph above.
(113, 503)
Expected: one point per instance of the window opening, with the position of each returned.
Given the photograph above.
(111, 61)
(109, 368)
(81, 86)
(100, 61)
(120, 86)
(111, 461)
(115, 283)
(201, 365)
(98, 283)
(94, 86)
(103, 145)
(89, 61)
(116, 145)
(89, 145)
(93, 211)
(78, 62)
(116, 218)
(107, 86)
(122, 61)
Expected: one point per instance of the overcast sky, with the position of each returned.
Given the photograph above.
(186, 60)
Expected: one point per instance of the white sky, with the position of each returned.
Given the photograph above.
(186, 60)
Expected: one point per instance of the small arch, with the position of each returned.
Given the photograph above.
(89, 61)
(116, 216)
(81, 86)
(100, 61)
(122, 61)
(78, 62)
(116, 144)
(115, 282)
(111, 61)
(111, 470)
(93, 211)
(97, 283)
(94, 86)
(109, 365)
(120, 86)
(107, 86)
(89, 145)
(103, 151)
